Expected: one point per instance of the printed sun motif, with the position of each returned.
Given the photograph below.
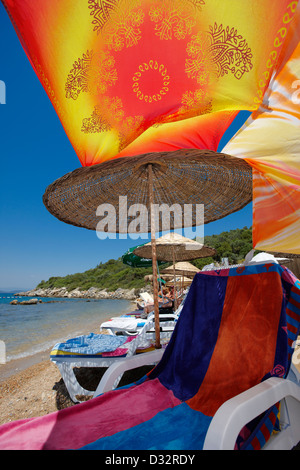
(207, 56)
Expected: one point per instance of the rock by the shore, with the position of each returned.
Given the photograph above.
(25, 302)
(91, 293)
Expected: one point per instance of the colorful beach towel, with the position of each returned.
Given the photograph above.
(89, 345)
(233, 332)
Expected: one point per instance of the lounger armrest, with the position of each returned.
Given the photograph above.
(117, 369)
(235, 413)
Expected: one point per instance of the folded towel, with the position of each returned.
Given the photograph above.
(88, 345)
(130, 324)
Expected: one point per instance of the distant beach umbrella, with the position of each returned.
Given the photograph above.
(183, 281)
(182, 267)
(149, 278)
(185, 269)
(135, 261)
(173, 247)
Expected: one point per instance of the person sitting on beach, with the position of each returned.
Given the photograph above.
(164, 299)
(170, 292)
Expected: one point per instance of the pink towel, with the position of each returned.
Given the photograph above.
(79, 425)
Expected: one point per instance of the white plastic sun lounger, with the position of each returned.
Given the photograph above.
(131, 325)
(139, 344)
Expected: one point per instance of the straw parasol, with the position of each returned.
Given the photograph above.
(172, 247)
(149, 277)
(188, 176)
(184, 281)
(182, 267)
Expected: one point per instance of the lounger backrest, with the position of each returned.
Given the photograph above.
(147, 297)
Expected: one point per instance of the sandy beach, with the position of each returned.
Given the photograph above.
(33, 386)
(29, 392)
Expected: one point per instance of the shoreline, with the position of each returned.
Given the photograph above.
(14, 366)
(17, 365)
(93, 293)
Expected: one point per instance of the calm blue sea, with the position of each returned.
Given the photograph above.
(30, 329)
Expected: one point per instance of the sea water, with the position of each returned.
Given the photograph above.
(30, 329)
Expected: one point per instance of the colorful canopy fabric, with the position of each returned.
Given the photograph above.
(269, 142)
(208, 360)
(115, 69)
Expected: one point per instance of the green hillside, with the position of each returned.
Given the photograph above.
(233, 245)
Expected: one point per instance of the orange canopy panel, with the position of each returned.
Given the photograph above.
(132, 76)
(270, 142)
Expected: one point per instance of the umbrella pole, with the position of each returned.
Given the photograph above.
(175, 295)
(154, 258)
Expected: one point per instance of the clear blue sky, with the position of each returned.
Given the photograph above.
(35, 151)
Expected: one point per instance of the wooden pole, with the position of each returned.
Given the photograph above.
(154, 258)
(174, 272)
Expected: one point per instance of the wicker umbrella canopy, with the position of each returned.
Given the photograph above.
(149, 277)
(185, 269)
(172, 246)
(184, 281)
(182, 267)
(222, 183)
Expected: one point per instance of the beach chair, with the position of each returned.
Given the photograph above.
(147, 298)
(223, 382)
(129, 324)
(133, 326)
(103, 350)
